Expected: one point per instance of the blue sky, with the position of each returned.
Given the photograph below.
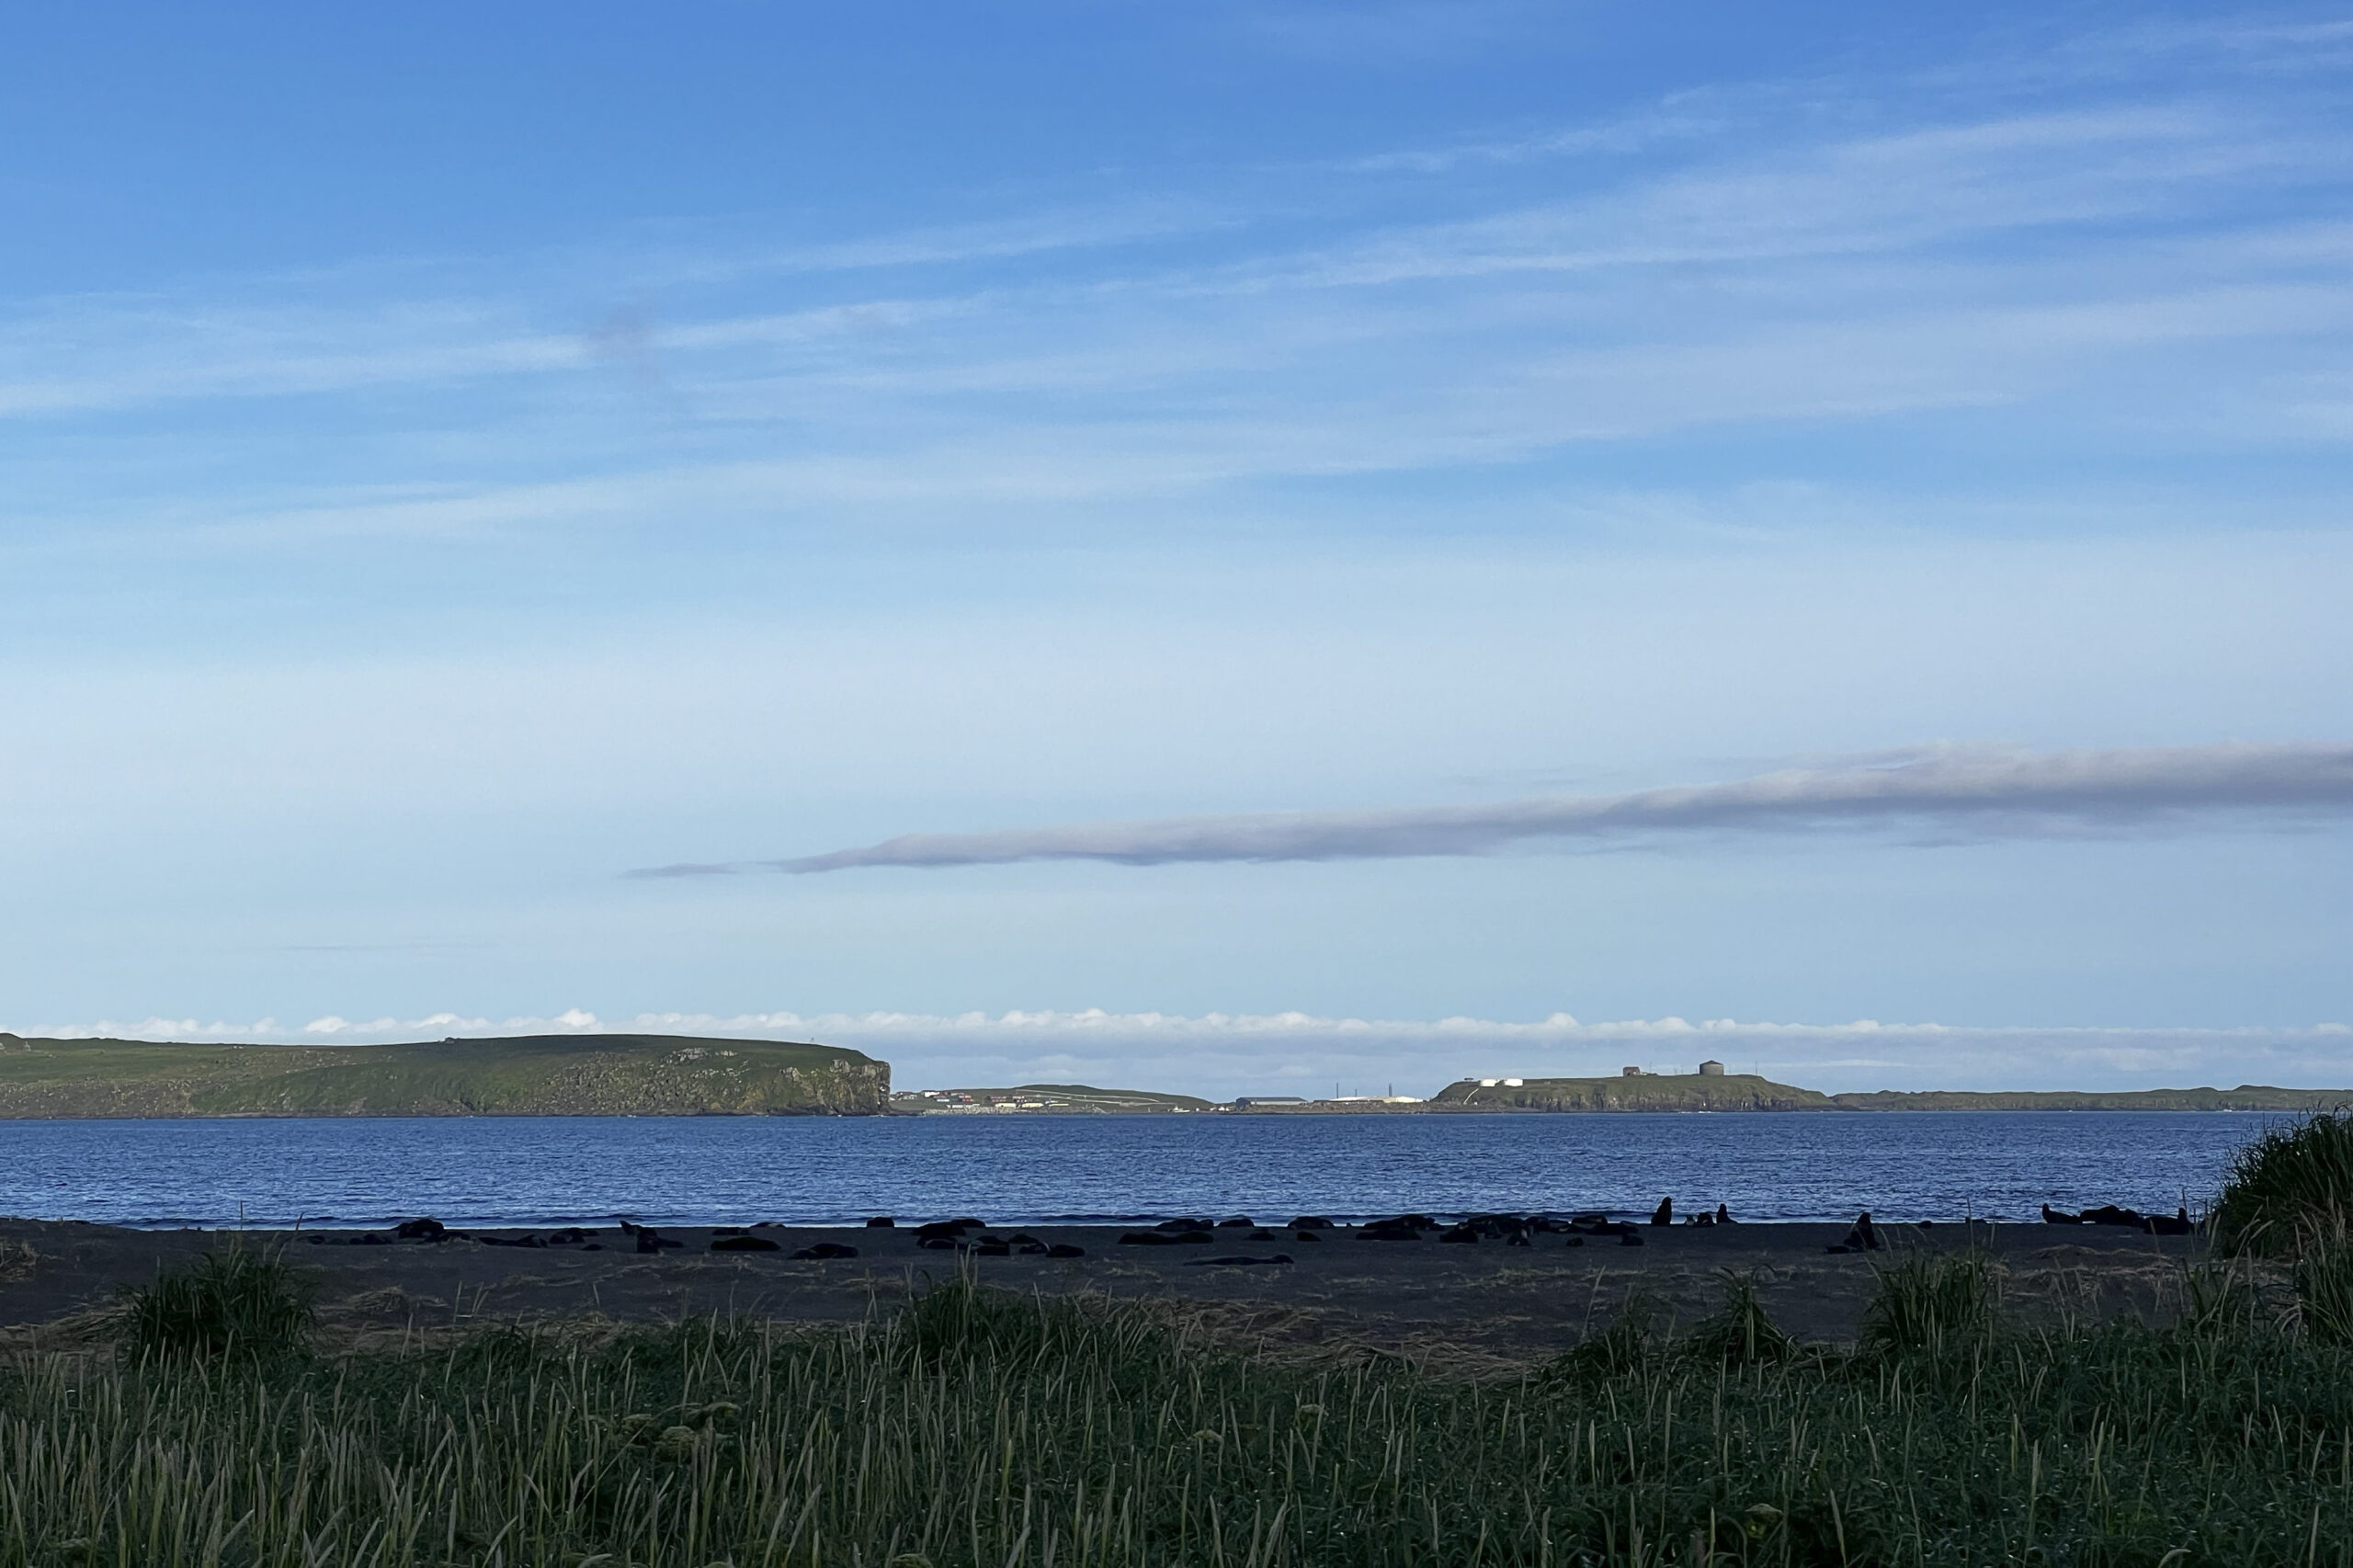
(453, 459)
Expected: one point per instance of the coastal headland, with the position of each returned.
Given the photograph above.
(606, 1074)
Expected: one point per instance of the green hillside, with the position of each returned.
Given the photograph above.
(517, 1075)
(1652, 1091)
(1047, 1100)
(1742, 1091)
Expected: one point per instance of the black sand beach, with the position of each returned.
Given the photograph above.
(1479, 1305)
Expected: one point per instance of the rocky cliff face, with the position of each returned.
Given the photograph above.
(523, 1075)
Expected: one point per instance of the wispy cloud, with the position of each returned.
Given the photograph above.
(1854, 196)
(274, 336)
(1776, 199)
(1976, 792)
(1865, 261)
(941, 452)
(1631, 134)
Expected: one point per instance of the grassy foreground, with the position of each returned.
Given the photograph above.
(978, 1427)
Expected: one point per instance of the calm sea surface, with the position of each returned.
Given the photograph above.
(717, 1170)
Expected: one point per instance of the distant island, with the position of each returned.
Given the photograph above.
(610, 1075)
(1048, 1100)
(1697, 1092)
(1720, 1091)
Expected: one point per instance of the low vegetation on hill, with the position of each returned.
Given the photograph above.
(1067, 1098)
(517, 1075)
(1649, 1091)
(1742, 1091)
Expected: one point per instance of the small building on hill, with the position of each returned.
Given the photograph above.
(1712, 1069)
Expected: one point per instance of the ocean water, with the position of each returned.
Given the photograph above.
(720, 1170)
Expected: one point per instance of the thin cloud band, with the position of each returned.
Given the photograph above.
(1980, 792)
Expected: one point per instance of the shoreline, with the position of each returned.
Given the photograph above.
(277, 1229)
(1229, 1113)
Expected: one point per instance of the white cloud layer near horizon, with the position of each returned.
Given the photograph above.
(1226, 1053)
(1977, 792)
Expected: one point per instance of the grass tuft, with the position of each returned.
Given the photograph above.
(1930, 1306)
(1738, 1332)
(232, 1304)
(2220, 1299)
(962, 1321)
(2289, 1188)
(1629, 1345)
(2325, 1289)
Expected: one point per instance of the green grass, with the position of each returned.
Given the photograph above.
(1738, 1332)
(982, 1428)
(2325, 1289)
(231, 1305)
(2288, 1189)
(1941, 1307)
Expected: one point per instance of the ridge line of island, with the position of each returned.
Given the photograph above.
(647, 1074)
